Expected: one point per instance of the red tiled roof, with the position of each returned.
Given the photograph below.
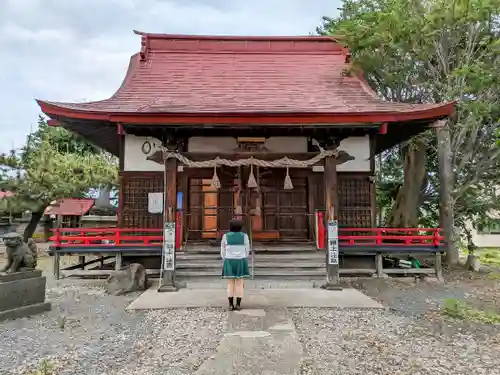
(175, 74)
(6, 194)
(70, 207)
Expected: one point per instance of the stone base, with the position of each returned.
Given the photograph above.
(6, 277)
(168, 288)
(25, 311)
(22, 294)
(329, 286)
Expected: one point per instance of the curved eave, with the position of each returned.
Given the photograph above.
(437, 112)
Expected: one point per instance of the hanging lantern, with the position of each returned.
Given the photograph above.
(215, 184)
(252, 182)
(288, 180)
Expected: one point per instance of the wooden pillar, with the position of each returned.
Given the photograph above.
(446, 219)
(331, 207)
(167, 283)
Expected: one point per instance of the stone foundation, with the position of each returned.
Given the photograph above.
(22, 294)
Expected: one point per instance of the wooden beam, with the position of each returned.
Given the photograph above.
(331, 206)
(170, 203)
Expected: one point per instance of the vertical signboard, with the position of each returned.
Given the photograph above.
(169, 247)
(333, 242)
(155, 203)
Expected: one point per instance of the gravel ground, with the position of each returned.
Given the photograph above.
(410, 337)
(88, 332)
(348, 342)
(100, 337)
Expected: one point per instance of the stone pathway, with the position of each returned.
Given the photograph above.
(256, 341)
(255, 298)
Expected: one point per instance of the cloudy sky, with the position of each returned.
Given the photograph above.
(78, 50)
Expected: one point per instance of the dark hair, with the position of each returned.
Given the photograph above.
(235, 225)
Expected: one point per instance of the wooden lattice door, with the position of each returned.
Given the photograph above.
(210, 210)
(277, 213)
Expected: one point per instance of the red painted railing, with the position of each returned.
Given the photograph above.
(390, 236)
(379, 236)
(107, 237)
(139, 237)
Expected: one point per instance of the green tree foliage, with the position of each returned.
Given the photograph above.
(431, 51)
(53, 164)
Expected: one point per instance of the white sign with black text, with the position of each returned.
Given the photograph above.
(169, 246)
(155, 203)
(333, 242)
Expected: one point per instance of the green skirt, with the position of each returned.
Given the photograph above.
(235, 269)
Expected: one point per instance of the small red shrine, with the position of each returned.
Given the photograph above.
(272, 129)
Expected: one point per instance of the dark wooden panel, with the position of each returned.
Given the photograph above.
(134, 194)
(355, 200)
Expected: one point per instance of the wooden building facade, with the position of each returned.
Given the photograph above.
(270, 129)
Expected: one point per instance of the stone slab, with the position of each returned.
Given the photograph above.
(25, 311)
(255, 299)
(7, 277)
(23, 292)
(252, 345)
(252, 284)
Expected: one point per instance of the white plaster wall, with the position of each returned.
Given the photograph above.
(135, 159)
(359, 148)
(229, 144)
(484, 240)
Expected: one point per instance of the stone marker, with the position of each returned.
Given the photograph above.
(22, 294)
(22, 288)
(129, 279)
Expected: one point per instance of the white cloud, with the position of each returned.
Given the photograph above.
(79, 50)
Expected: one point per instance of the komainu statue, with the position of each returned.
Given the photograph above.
(21, 256)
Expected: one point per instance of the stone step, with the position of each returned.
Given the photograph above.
(253, 284)
(257, 264)
(269, 273)
(257, 256)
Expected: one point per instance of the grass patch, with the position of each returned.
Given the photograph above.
(487, 256)
(45, 368)
(494, 276)
(459, 309)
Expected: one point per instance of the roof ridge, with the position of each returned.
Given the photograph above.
(323, 38)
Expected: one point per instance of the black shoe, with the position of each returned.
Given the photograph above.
(231, 303)
(238, 304)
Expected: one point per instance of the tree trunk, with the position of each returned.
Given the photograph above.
(31, 227)
(406, 207)
(446, 212)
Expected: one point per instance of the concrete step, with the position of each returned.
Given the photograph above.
(253, 284)
(257, 256)
(259, 273)
(257, 264)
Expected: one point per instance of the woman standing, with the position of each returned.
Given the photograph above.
(235, 249)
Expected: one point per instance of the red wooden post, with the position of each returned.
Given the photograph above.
(435, 238)
(117, 237)
(178, 230)
(378, 236)
(58, 237)
(321, 229)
